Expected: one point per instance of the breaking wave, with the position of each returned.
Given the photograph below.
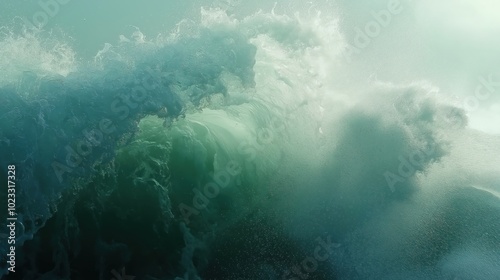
(223, 150)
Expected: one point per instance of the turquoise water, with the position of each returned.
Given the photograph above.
(238, 140)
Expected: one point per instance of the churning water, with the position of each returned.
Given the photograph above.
(323, 140)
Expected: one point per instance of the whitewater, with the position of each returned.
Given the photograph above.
(240, 143)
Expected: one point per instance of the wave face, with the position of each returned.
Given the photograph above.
(226, 150)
